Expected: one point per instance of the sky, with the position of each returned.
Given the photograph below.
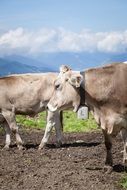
(32, 27)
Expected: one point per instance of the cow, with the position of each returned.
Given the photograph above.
(27, 94)
(104, 91)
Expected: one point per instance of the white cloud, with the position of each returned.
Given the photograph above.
(113, 42)
(22, 41)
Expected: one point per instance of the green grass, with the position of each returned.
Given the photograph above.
(123, 181)
(37, 122)
(70, 122)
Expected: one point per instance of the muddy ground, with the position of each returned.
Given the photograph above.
(77, 165)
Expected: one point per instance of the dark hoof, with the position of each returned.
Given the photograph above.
(108, 169)
(58, 144)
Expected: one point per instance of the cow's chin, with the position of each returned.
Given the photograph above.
(69, 106)
(51, 108)
(74, 108)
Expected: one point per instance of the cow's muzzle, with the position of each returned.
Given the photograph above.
(51, 108)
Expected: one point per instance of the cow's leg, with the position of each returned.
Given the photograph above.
(108, 145)
(53, 120)
(49, 126)
(8, 135)
(10, 118)
(124, 137)
(58, 128)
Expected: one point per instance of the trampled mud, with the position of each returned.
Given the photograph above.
(77, 165)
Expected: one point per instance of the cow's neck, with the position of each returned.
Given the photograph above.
(86, 99)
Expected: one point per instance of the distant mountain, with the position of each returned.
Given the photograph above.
(118, 57)
(50, 62)
(80, 61)
(43, 67)
(13, 67)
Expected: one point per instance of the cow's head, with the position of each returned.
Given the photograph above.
(66, 90)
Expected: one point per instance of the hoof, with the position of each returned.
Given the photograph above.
(125, 161)
(42, 146)
(108, 169)
(58, 144)
(20, 147)
(6, 147)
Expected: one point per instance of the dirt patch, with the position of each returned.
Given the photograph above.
(78, 165)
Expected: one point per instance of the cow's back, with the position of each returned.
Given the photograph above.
(107, 84)
(26, 90)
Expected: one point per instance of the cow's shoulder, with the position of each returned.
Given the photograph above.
(101, 75)
(107, 83)
(109, 68)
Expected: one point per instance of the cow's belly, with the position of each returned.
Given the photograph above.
(1, 118)
(31, 110)
(117, 128)
(113, 123)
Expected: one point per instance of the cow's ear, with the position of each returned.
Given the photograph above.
(76, 80)
(64, 69)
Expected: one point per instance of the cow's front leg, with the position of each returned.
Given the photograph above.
(108, 144)
(49, 126)
(58, 129)
(124, 137)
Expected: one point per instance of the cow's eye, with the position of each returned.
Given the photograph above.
(57, 86)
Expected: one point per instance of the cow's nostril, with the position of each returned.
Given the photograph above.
(47, 107)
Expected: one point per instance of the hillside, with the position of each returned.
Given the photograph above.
(8, 67)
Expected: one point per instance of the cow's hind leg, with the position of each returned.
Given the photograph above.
(124, 137)
(8, 135)
(10, 118)
(108, 145)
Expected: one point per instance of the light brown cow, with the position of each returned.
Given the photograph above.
(104, 91)
(27, 94)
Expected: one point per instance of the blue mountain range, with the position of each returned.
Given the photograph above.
(50, 62)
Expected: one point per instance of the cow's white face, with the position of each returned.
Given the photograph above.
(66, 91)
